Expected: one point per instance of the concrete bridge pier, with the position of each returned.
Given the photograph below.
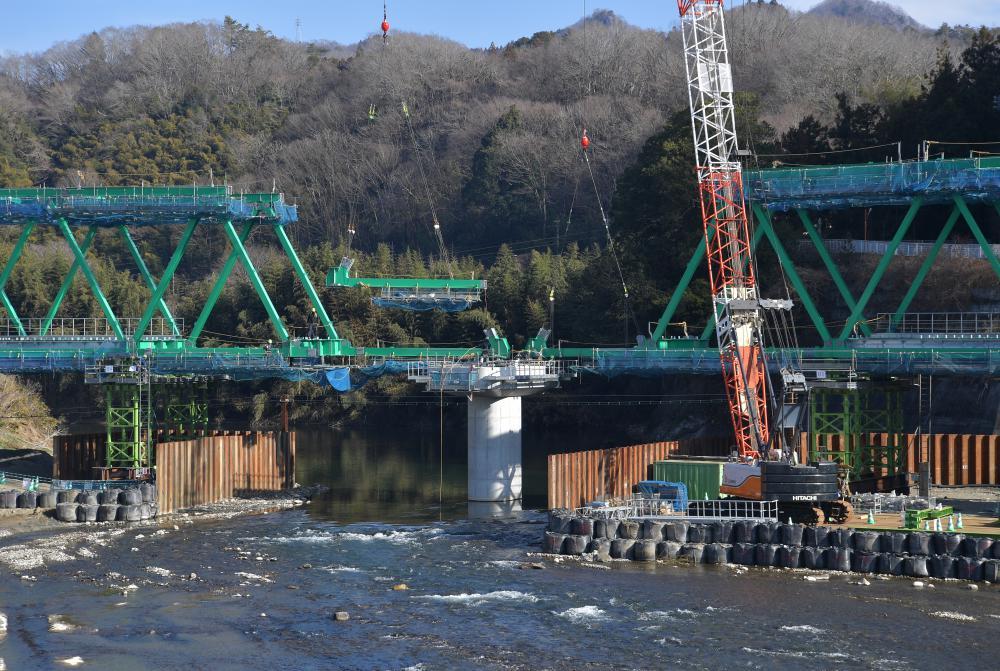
(494, 448)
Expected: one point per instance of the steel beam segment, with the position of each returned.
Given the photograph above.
(976, 231)
(67, 283)
(764, 219)
(925, 267)
(831, 267)
(675, 298)
(150, 282)
(324, 318)
(857, 314)
(758, 234)
(15, 256)
(220, 284)
(255, 280)
(157, 297)
(95, 288)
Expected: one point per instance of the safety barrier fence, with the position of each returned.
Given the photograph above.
(880, 247)
(214, 468)
(577, 478)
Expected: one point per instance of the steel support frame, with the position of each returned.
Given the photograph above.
(127, 426)
(862, 429)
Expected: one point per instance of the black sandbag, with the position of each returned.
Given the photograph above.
(667, 550)
(46, 500)
(866, 541)
(942, 566)
(109, 496)
(579, 526)
(970, 568)
(575, 544)
(792, 534)
(553, 543)
(87, 498)
(768, 533)
(721, 532)
(692, 553)
(146, 492)
(715, 553)
(5, 500)
(132, 497)
(816, 537)
(65, 496)
(628, 529)
(837, 559)
(890, 564)
(26, 500)
(985, 549)
(945, 544)
(893, 542)
(745, 531)
(953, 544)
(676, 532)
(89, 512)
(652, 530)
(621, 548)
(916, 567)
(812, 558)
(977, 548)
(606, 528)
(107, 512)
(66, 512)
(765, 554)
(991, 570)
(789, 556)
(864, 562)
(11, 498)
(840, 538)
(744, 554)
(697, 533)
(644, 550)
(918, 543)
(559, 521)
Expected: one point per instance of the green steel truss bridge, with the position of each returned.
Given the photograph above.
(124, 351)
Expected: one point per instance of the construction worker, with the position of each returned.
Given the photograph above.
(311, 321)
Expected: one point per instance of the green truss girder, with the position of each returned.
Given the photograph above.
(15, 255)
(220, 284)
(255, 281)
(279, 232)
(168, 274)
(88, 239)
(95, 288)
(340, 277)
(926, 266)
(150, 282)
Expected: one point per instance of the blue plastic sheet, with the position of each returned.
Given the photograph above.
(339, 378)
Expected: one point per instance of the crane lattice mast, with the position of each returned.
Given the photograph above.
(727, 236)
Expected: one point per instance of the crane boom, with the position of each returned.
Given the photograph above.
(727, 237)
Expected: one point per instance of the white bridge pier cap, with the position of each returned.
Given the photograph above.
(494, 389)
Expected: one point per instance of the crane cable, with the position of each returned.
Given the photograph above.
(442, 249)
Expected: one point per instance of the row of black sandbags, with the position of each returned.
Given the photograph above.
(105, 512)
(727, 532)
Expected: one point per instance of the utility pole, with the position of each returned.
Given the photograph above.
(284, 413)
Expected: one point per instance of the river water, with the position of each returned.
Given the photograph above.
(266, 587)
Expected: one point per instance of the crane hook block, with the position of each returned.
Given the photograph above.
(385, 27)
(585, 141)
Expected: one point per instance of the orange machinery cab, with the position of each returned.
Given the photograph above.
(742, 480)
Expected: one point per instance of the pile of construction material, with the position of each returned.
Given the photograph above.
(111, 505)
(792, 546)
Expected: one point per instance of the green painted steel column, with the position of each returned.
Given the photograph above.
(857, 314)
(255, 280)
(976, 231)
(286, 244)
(925, 267)
(95, 288)
(831, 267)
(675, 298)
(67, 283)
(764, 221)
(168, 274)
(220, 284)
(713, 318)
(8, 268)
(150, 282)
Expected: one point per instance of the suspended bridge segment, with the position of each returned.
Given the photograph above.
(896, 343)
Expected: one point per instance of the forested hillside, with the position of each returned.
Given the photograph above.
(497, 133)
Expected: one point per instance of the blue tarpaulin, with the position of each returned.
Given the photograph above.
(339, 378)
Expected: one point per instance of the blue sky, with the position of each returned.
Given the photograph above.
(28, 26)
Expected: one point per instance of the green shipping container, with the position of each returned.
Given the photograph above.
(701, 477)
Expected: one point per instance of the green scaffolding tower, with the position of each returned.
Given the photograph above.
(861, 428)
(127, 420)
(186, 410)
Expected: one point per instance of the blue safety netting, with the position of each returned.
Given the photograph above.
(417, 303)
(875, 184)
(135, 210)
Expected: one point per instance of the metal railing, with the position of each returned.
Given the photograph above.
(86, 327)
(697, 511)
(458, 375)
(880, 247)
(939, 322)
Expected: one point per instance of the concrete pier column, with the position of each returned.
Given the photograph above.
(494, 448)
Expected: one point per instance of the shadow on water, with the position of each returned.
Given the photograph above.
(397, 473)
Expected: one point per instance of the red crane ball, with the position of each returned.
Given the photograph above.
(385, 27)
(585, 141)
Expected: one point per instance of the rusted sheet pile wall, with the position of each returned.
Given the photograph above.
(73, 457)
(205, 470)
(577, 478)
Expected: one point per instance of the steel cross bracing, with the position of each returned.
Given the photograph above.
(727, 236)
